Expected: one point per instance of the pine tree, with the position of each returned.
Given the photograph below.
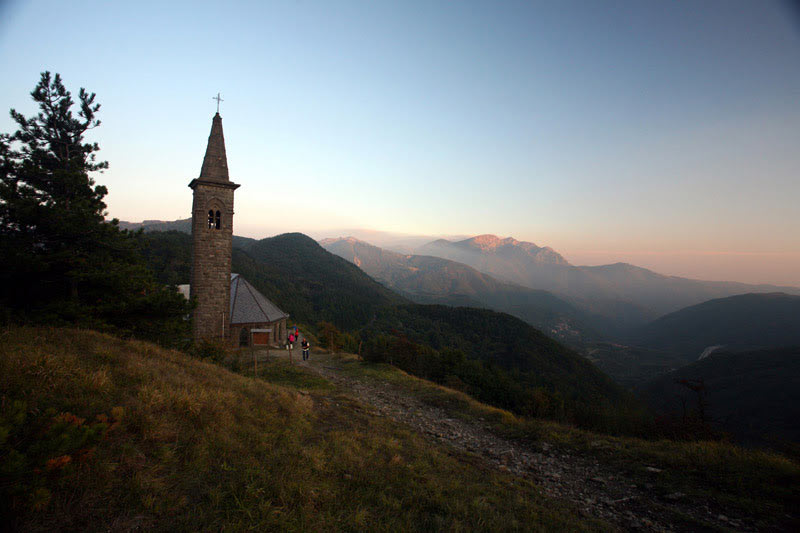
(64, 263)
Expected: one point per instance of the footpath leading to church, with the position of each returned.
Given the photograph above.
(595, 490)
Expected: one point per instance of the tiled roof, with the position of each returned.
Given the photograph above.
(249, 306)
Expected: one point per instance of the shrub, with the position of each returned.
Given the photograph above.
(38, 450)
(210, 349)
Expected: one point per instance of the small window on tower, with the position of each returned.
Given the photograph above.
(210, 219)
(218, 220)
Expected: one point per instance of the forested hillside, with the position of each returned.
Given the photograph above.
(503, 361)
(311, 284)
(303, 279)
(746, 320)
(754, 395)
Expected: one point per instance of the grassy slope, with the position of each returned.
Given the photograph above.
(194, 446)
(760, 484)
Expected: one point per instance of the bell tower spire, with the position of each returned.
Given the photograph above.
(212, 236)
(215, 163)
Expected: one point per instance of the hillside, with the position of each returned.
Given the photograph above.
(505, 362)
(743, 321)
(754, 395)
(102, 434)
(312, 285)
(631, 366)
(307, 282)
(433, 280)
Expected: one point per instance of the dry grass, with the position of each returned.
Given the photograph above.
(759, 483)
(192, 446)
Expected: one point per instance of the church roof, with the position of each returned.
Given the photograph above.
(250, 306)
(215, 163)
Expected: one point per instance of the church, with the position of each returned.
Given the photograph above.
(228, 308)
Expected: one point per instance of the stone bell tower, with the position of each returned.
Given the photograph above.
(212, 234)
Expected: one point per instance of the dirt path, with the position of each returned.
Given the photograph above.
(595, 490)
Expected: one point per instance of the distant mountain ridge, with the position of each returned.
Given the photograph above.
(628, 294)
(427, 279)
(183, 225)
(496, 246)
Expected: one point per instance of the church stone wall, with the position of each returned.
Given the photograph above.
(211, 261)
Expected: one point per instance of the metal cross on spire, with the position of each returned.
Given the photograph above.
(218, 99)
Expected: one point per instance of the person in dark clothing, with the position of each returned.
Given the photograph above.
(306, 347)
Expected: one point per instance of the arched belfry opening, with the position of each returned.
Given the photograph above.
(215, 218)
(212, 209)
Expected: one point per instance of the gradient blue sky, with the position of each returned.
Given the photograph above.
(666, 134)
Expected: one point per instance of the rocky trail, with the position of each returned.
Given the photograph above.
(594, 489)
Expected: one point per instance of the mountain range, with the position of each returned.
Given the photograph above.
(576, 304)
(426, 279)
(623, 295)
(628, 294)
(184, 225)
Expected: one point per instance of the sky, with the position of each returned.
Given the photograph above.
(664, 134)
